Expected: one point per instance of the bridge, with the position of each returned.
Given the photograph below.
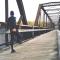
(40, 41)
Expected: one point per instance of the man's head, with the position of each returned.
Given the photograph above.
(12, 13)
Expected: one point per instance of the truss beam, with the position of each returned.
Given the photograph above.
(46, 14)
(51, 4)
(22, 11)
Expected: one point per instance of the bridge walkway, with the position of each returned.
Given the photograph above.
(43, 47)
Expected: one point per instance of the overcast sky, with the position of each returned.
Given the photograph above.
(31, 7)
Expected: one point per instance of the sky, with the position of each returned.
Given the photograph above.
(30, 6)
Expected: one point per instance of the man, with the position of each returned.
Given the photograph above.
(13, 30)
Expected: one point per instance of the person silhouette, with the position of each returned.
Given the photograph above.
(12, 27)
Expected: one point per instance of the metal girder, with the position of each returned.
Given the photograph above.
(52, 24)
(46, 20)
(54, 13)
(6, 10)
(22, 11)
(52, 9)
(51, 4)
(47, 14)
(19, 20)
(43, 19)
(6, 19)
(37, 16)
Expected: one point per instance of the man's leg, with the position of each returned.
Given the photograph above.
(12, 38)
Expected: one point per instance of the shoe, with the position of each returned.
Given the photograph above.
(13, 51)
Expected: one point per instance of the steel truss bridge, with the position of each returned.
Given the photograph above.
(42, 15)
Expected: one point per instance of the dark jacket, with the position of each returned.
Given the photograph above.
(12, 22)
